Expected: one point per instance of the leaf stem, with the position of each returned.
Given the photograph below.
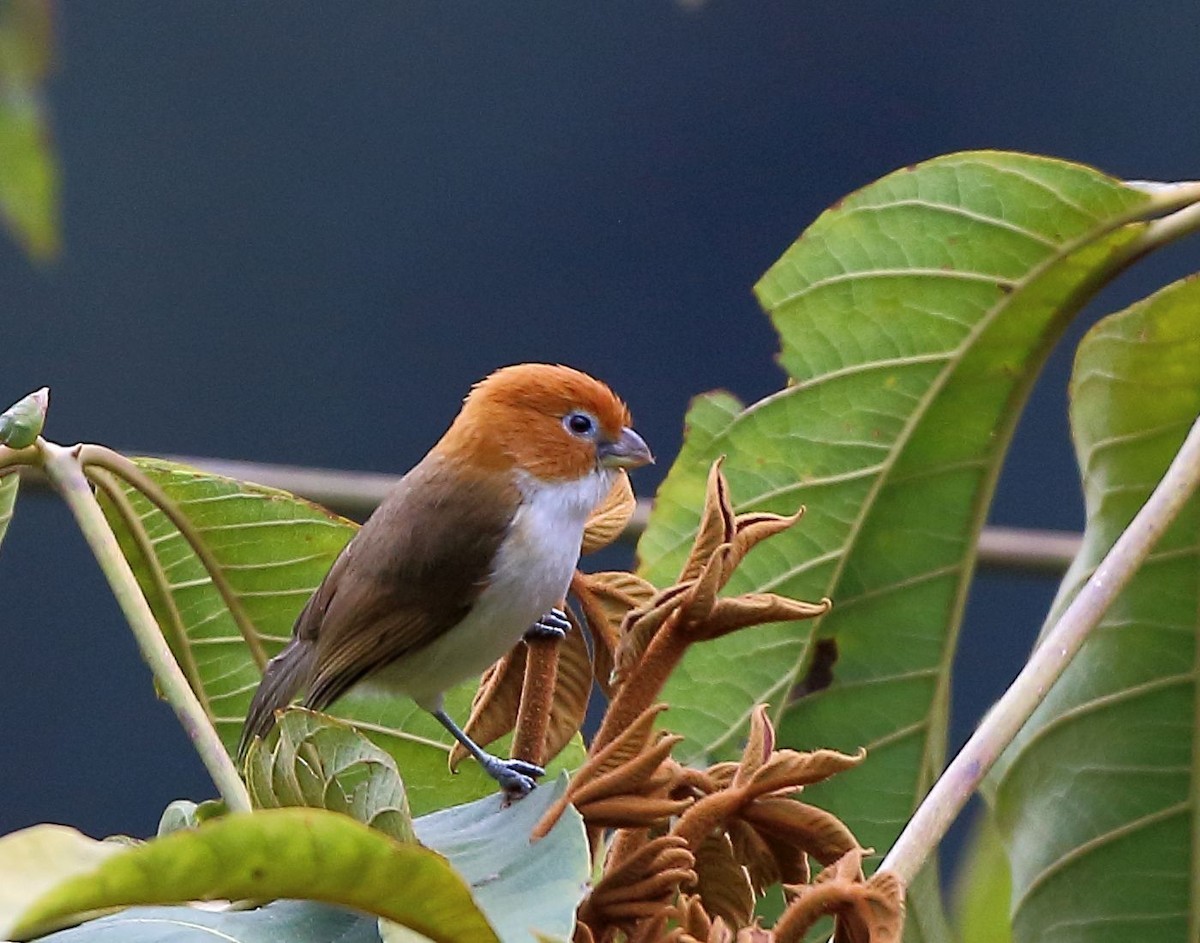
(960, 779)
(174, 630)
(120, 466)
(63, 467)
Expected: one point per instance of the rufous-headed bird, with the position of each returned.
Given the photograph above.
(469, 551)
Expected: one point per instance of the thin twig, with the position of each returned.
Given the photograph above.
(65, 471)
(960, 779)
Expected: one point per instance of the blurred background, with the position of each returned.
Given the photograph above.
(298, 232)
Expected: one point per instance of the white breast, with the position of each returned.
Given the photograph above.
(533, 569)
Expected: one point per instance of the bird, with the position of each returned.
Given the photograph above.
(471, 550)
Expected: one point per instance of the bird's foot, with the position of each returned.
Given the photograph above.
(553, 625)
(516, 777)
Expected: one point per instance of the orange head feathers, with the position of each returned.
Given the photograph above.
(550, 421)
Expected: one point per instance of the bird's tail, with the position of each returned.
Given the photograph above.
(286, 674)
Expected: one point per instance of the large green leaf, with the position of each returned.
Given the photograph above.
(51, 874)
(1098, 796)
(285, 921)
(524, 889)
(28, 169)
(272, 550)
(913, 317)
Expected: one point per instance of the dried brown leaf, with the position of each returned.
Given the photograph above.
(788, 823)
(623, 749)
(641, 625)
(582, 934)
(791, 769)
(642, 884)
(605, 599)
(631, 811)
(740, 612)
(610, 516)
(760, 744)
(702, 597)
(494, 708)
(756, 526)
(722, 882)
(635, 776)
(864, 911)
(768, 861)
(692, 918)
(716, 523)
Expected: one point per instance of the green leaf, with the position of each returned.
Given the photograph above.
(983, 887)
(322, 763)
(50, 874)
(272, 550)
(21, 423)
(292, 921)
(913, 317)
(28, 168)
(183, 813)
(523, 888)
(9, 484)
(1097, 797)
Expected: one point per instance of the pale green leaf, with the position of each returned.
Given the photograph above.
(1097, 798)
(316, 761)
(525, 889)
(285, 921)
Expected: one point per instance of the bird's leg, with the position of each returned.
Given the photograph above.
(554, 624)
(516, 777)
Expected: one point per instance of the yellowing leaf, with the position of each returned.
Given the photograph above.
(307, 853)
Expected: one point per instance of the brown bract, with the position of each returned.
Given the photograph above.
(864, 911)
(653, 636)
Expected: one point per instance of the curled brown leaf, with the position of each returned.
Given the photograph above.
(610, 516)
(864, 911)
(722, 882)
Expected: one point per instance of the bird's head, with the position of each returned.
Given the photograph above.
(550, 421)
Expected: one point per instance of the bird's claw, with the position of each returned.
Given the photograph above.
(553, 625)
(516, 777)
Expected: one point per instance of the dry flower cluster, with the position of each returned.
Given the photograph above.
(684, 853)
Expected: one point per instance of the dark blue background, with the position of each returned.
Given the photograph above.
(298, 232)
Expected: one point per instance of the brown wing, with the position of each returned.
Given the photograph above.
(412, 572)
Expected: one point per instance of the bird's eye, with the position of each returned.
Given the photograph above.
(579, 423)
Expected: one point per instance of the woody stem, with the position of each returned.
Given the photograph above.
(537, 698)
(642, 687)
